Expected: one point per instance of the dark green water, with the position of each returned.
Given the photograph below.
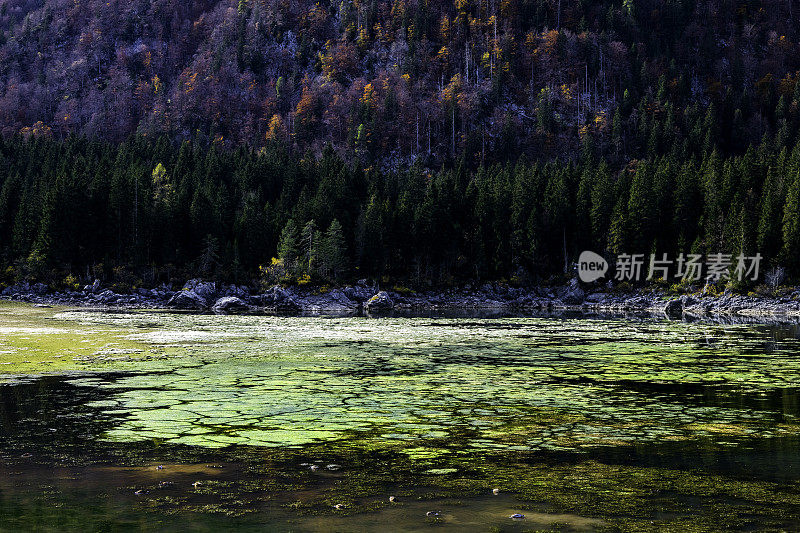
(270, 423)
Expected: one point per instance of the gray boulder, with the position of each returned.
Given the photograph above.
(380, 302)
(107, 297)
(674, 308)
(287, 306)
(689, 301)
(335, 301)
(273, 296)
(279, 299)
(10, 290)
(237, 291)
(94, 288)
(205, 289)
(573, 294)
(187, 299)
(230, 304)
(597, 297)
(359, 293)
(39, 289)
(545, 292)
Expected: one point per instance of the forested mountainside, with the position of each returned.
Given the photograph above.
(391, 81)
(423, 141)
(146, 212)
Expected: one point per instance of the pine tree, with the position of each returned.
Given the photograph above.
(333, 253)
(790, 253)
(687, 202)
(209, 258)
(641, 210)
(289, 245)
(602, 206)
(310, 245)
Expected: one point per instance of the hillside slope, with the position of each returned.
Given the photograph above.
(392, 81)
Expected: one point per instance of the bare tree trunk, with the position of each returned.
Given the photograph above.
(429, 137)
(417, 150)
(483, 144)
(466, 64)
(454, 130)
(558, 17)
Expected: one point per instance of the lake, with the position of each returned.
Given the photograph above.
(148, 420)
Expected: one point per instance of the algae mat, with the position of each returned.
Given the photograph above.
(585, 424)
(509, 383)
(35, 341)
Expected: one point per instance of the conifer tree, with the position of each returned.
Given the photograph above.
(310, 238)
(289, 245)
(333, 251)
(790, 253)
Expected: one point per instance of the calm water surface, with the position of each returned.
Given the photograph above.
(162, 421)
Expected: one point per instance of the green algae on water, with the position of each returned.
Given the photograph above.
(36, 341)
(605, 424)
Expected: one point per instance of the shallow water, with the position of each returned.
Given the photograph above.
(583, 424)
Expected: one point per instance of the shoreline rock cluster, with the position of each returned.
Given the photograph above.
(366, 298)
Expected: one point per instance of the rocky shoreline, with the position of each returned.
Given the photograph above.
(367, 298)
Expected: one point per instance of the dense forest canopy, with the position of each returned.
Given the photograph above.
(145, 210)
(429, 141)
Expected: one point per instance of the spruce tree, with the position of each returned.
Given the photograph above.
(333, 251)
(289, 245)
(790, 253)
(310, 245)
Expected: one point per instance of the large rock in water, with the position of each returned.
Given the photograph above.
(230, 304)
(233, 290)
(380, 302)
(279, 299)
(187, 300)
(287, 305)
(674, 309)
(335, 301)
(205, 289)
